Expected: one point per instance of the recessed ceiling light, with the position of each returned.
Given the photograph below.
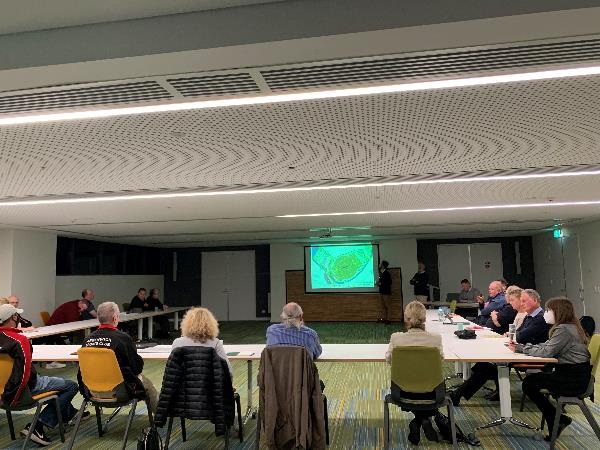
(457, 208)
(300, 96)
(191, 194)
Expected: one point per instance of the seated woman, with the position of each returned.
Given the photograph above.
(199, 327)
(414, 318)
(568, 343)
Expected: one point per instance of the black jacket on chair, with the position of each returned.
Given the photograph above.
(197, 385)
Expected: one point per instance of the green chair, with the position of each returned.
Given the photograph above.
(562, 401)
(417, 370)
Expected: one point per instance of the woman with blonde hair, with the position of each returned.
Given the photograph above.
(568, 343)
(200, 328)
(414, 319)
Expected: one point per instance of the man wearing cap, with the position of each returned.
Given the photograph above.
(15, 344)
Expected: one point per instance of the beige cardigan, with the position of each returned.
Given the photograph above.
(414, 337)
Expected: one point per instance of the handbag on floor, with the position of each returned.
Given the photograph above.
(443, 424)
(149, 439)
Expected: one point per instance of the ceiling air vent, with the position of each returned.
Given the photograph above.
(43, 100)
(223, 84)
(431, 65)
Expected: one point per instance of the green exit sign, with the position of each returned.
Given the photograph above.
(557, 233)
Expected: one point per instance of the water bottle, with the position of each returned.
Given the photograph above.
(441, 314)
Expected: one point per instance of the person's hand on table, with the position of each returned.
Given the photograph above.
(27, 329)
(165, 306)
(512, 346)
(480, 298)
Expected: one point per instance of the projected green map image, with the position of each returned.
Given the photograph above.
(341, 266)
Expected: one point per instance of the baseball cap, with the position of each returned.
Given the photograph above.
(7, 311)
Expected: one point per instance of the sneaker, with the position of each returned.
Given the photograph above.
(55, 365)
(86, 416)
(37, 435)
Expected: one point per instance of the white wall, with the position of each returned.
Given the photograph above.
(580, 247)
(28, 269)
(118, 288)
(398, 252)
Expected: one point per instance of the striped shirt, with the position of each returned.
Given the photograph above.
(281, 334)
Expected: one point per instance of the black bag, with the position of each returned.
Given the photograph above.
(465, 334)
(443, 424)
(149, 439)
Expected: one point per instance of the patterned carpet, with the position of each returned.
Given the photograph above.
(354, 392)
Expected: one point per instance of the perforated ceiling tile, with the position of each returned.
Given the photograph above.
(534, 124)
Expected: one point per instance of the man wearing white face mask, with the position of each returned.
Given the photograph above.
(570, 377)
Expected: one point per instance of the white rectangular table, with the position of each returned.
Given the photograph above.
(482, 349)
(487, 347)
(87, 325)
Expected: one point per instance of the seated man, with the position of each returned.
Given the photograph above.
(292, 331)
(22, 323)
(86, 307)
(533, 330)
(468, 294)
(65, 313)
(154, 304)
(495, 301)
(108, 336)
(14, 344)
(139, 303)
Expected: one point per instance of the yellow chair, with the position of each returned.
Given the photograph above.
(45, 315)
(27, 401)
(103, 380)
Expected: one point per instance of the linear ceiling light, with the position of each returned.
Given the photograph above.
(192, 194)
(458, 208)
(281, 98)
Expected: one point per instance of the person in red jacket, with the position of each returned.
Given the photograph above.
(24, 375)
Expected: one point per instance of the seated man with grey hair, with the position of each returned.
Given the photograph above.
(131, 364)
(292, 331)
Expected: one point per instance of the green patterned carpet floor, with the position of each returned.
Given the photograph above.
(354, 392)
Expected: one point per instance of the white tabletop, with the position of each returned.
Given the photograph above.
(52, 330)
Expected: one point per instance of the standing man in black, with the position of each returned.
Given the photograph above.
(385, 290)
(420, 281)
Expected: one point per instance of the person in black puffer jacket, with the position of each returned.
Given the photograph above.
(197, 385)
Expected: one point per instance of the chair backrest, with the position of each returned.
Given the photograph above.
(100, 371)
(594, 348)
(417, 369)
(588, 324)
(453, 306)
(45, 315)
(6, 368)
